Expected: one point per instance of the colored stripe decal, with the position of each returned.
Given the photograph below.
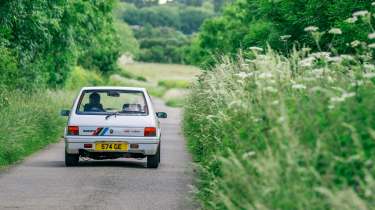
(97, 131)
(104, 131)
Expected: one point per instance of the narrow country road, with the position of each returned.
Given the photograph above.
(43, 182)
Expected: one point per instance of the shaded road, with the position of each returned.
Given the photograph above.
(43, 182)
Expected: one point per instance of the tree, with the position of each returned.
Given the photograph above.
(46, 38)
(247, 23)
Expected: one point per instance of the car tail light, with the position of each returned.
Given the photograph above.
(150, 131)
(73, 130)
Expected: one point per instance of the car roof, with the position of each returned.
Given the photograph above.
(115, 88)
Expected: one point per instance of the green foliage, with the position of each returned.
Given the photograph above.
(182, 18)
(128, 43)
(29, 122)
(80, 77)
(46, 38)
(10, 77)
(158, 29)
(162, 45)
(248, 23)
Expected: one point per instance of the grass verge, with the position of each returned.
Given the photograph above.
(29, 122)
(285, 133)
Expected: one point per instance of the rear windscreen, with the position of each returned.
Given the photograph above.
(112, 101)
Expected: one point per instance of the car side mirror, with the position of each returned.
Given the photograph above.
(161, 115)
(65, 113)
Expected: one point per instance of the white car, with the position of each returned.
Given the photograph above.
(113, 122)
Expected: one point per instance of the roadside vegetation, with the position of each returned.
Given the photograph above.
(295, 130)
(47, 49)
(280, 24)
(30, 121)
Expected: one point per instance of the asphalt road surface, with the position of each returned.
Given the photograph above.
(43, 182)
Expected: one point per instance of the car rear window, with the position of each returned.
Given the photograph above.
(112, 101)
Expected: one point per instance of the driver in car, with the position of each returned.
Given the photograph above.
(94, 104)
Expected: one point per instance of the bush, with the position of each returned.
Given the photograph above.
(285, 133)
(80, 77)
(29, 122)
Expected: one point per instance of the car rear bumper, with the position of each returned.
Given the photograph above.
(146, 146)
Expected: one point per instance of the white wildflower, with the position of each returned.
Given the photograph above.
(369, 66)
(369, 75)
(270, 89)
(348, 95)
(330, 79)
(265, 75)
(256, 49)
(311, 29)
(337, 99)
(255, 119)
(355, 43)
(306, 49)
(336, 59)
(372, 46)
(360, 13)
(356, 83)
(321, 55)
(248, 154)
(371, 36)
(351, 20)
(285, 37)
(307, 62)
(243, 75)
(318, 72)
(342, 98)
(298, 86)
(347, 57)
(281, 120)
(335, 31)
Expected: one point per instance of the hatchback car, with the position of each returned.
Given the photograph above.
(113, 122)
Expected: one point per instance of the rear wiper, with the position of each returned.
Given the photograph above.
(112, 114)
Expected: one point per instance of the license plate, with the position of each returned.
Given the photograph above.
(111, 146)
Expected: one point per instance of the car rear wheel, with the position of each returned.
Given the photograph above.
(71, 159)
(153, 160)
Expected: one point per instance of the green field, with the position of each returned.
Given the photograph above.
(167, 81)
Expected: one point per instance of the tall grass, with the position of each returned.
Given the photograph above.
(275, 132)
(29, 122)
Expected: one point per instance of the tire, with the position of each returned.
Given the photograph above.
(159, 148)
(71, 160)
(153, 160)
